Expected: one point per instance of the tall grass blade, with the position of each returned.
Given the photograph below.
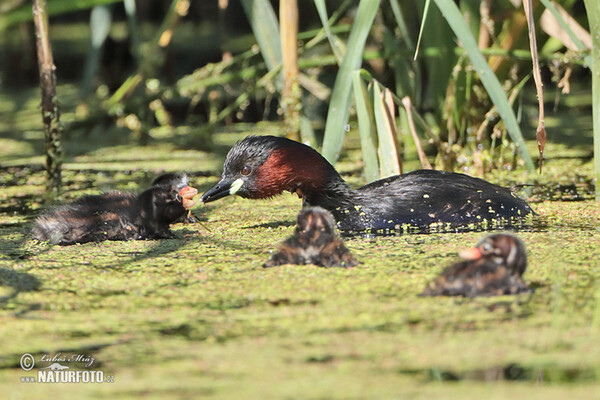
(330, 22)
(425, 13)
(265, 27)
(336, 45)
(366, 126)
(339, 105)
(488, 79)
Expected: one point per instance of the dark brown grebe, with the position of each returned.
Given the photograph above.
(118, 215)
(264, 166)
(314, 242)
(494, 267)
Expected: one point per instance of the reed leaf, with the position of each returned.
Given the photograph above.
(337, 115)
(389, 162)
(337, 46)
(263, 21)
(366, 126)
(425, 14)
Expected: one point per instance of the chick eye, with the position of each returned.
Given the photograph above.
(487, 247)
(246, 170)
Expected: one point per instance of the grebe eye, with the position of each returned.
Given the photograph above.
(246, 170)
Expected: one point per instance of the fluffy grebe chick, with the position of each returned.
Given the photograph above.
(492, 268)
(117, 215)
(260, 167)
(314, 242)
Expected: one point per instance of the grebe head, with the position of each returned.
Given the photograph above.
(259, 167)
(180, 184)
(316, 220)
(502, 248)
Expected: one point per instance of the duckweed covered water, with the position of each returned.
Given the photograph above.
(197, 315)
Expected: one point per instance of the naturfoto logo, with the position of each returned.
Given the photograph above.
(58, 372)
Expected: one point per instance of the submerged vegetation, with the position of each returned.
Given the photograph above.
(173, 85)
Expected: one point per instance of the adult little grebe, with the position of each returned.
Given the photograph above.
(264, 166)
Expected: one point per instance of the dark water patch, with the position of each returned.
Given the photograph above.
(288, 302)
(272, 225)
(18, 175)
(183, 330)
(226, 304)
(582, 189)
(511, 372)
(84, 179)
(25, 205)
(320, 359)
(17, 224)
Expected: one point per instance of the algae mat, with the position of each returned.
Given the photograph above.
(197, 316)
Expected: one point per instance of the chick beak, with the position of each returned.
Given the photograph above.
(471, 254)
(187, 196)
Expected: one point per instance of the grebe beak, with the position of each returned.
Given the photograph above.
(222, 189)
(187, 196)
(471, 254)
